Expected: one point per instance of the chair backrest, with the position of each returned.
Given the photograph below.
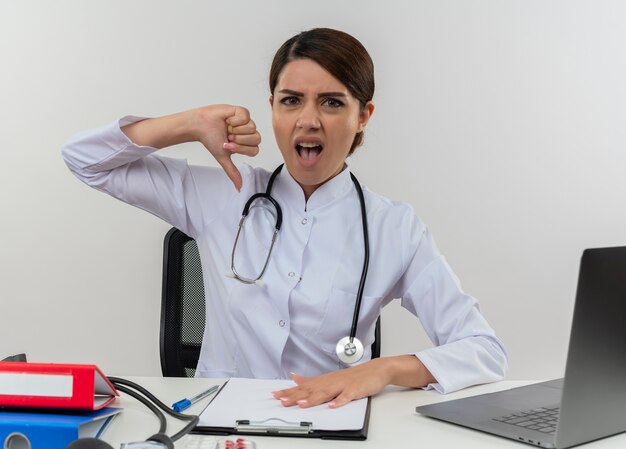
(182, 307)
(376, 344)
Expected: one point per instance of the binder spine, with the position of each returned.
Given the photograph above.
(50, 385)
(35, 436)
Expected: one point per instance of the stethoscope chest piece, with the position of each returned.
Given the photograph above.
(349, 351)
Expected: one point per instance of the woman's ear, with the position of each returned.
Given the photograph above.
(272, 100)
(365, 115)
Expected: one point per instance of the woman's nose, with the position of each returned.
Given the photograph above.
(308, 118)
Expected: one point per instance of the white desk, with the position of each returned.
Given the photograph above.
(393, 420)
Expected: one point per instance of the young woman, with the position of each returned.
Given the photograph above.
(278, 309)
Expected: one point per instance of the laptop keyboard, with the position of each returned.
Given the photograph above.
(542, 419)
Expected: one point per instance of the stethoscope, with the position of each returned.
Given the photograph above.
(349, 349)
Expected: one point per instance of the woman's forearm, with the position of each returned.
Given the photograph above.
(162, 132)
(406, 371)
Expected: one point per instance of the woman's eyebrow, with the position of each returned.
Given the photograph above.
(295, 93)
(331, 94)
(291, 92)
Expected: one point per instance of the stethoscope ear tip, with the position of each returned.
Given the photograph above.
(259, 283)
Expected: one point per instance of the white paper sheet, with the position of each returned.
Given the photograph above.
(251, 399)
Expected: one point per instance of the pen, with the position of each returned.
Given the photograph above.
(185, 403)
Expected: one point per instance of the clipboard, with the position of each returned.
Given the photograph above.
(246, 407)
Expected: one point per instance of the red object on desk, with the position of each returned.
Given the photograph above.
(54, 386)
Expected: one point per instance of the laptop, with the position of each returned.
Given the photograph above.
(589, 402)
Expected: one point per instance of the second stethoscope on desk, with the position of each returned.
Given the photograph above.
(349, 349)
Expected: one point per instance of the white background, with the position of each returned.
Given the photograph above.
(501, 122)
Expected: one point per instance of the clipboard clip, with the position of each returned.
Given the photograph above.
(270, 427)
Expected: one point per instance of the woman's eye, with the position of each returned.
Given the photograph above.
(333, 103)
(289, 101)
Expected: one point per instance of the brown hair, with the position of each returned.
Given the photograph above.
(342, 55)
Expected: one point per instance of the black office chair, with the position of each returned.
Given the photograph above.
(182, 307)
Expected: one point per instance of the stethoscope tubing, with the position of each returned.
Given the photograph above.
(366, 259)
(279, 222)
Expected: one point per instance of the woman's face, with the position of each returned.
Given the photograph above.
(315, 119)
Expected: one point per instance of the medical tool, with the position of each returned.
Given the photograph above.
(349, 349)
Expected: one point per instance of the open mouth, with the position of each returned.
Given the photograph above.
(309, 151)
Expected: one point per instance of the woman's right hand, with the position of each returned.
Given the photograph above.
(225, 130)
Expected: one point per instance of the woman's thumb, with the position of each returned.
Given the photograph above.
(231, 171)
